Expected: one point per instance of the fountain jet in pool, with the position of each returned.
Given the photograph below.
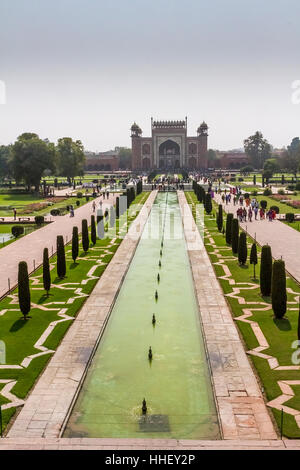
(179, 386)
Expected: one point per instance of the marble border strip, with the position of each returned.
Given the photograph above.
(48, 405)
(143, 444)
(242, 411)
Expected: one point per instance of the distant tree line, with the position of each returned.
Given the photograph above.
(262, 156)
(30, 158)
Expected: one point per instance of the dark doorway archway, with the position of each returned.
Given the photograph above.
(169, 154)
(146, 163)
(169, 147)
(192, 163)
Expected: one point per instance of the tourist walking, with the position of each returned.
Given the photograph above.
(250, 214)
(269, 215)
(94, 206)
(239, 214)
(15, 214)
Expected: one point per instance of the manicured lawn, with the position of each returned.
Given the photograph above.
(25, 204)
(10, 201)
(259, 176)
(279, 333)
(6, 229)
(250, 188)
(69, 294)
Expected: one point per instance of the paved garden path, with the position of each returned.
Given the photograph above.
(30, 248)
(283, 239)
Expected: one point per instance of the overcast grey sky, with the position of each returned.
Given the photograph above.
(88, 69)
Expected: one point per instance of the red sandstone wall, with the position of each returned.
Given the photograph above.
(136, 152)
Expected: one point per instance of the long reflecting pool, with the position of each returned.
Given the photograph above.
(176, 384)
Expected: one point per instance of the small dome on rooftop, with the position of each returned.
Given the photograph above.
(202, 127)
(134, 127)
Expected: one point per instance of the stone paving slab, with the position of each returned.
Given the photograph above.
(25, 443)
(49, 403)
(242, 411)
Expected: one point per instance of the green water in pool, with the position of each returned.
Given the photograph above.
(176, 384)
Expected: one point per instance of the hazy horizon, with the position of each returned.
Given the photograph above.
(89, 69)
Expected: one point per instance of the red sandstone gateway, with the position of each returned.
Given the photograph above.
(169, 147)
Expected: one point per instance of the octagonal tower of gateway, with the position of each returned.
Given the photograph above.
(169, 147)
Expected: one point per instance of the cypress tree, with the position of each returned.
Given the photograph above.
(61, 257)
(117, 207)
(220, 218)
(23, 289)
(46, 271)
(93, 230)
(278, 291)
(229, 219)
(208, 203)
(266, 271)
(201, 194)
(242, 248)
(85, 235)
(128, 195)
(253, 257)
(132, 196)
(234, 235)
(75, 244)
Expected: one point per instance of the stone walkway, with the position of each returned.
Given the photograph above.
(47, 407)
(241, 407)
(25, 443)
(283, 239)
(30, 248)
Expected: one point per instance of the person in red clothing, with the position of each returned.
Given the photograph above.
(261, 213)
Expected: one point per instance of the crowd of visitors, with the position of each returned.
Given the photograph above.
(248, 208)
